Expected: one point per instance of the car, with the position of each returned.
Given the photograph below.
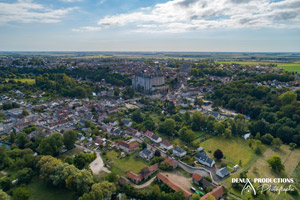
(193, 189)
(201, 188)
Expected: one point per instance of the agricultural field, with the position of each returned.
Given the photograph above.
(122, 165)
(23, 80)
(292, 67)
(40, 191)
(234, 149)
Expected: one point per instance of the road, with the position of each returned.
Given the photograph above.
(144, 184)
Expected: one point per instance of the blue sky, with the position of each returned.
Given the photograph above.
(150, 25)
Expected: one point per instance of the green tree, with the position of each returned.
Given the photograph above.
(21, 140)
(288, 97)
(137, 116)
(144, 145)
(267, 138)
(276, 143)
(80, 182)
(69, 139)
(149, 125)
(12, 137)
(4, 196)
(167, 127)
(25, 112)
(218, 154)
(51, 145)
(186, 134)
(195, 197)
(275, 163)
(198, 121)
(21, 193)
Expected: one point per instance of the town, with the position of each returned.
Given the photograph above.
(145, 128)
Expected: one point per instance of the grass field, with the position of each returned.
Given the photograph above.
(41, 191)
(293, 67)
(23, 80)
(70, 153)
(234, 149)
(122, 165)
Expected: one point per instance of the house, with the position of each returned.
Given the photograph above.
(202, 158)
(155, 138)
(128, 147)
(166, 145)
(223, 172)
(127, 123)
(146, 154)
(136, 178)
(152, 136)
(148, 171)
(100, 141)
(179, 152)
(134, 132)
(174, 186)
(217, 193)
(196, 178)
(171, 162)
(80, 137)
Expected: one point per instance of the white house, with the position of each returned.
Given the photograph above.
(179, 152)
(202, 158)
(166, 145)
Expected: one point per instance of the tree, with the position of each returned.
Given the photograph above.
(219, 128)
(218, 154)
(80, 182)
(21, 193)
(21, 139)
(267, 138)
(167, 127)
(137, 116)
(144, 145)
(292, 146)
(210, 197)
(25, 112)
(129, 91)
(195, 197)
(4, 196)
(257, 150)
(69, 139)
(149, 125)
(287, 97)
(12, 137)
(157, 153)
(276, 143)
(24, 176)
(275, 163)
(51, 145)
(186, 134)
(198, 121)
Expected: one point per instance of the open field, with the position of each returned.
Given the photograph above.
(23, 80)
(234, 149)
(70, 153)
(293, 67)
(122, 165)
(40, 191)
(259, 168)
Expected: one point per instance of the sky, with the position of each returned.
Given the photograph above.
(150, 25)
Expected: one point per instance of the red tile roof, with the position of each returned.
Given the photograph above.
(166, 143)
(217, 193)
(170, 161)
(196, 176)
(172, 185)
(137, 177)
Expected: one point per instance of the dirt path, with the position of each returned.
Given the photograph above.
(97, 165)
(144, 184)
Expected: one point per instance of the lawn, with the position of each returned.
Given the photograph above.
(23, 80)
(122, 165)
(70, 153)
(234, 149)
(40, 191)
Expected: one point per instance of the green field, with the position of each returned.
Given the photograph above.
(122, 165)
(234, 149)
(40, 191)
(292, 67)
(22, 80)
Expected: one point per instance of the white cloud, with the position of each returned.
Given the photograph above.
(71, 1)
(188, 15)
(87, 28)
(25, 11)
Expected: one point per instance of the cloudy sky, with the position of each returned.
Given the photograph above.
(150, 25)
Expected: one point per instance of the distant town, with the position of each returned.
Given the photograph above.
(147, 127)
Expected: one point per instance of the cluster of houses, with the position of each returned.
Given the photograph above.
(144, 174)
